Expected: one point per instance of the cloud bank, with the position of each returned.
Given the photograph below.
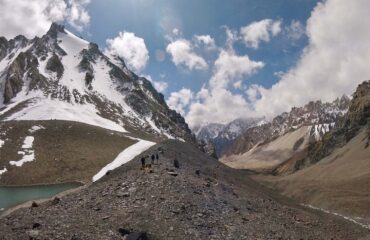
(34, 17)
(333, 63)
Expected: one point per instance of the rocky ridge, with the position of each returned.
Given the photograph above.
(357, 117)
(320, 117)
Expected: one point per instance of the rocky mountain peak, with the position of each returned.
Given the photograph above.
(54, 29)
(61, 69)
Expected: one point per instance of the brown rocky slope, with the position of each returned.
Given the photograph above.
(202, 199)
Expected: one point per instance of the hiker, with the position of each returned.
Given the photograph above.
(157, 157)
(143, 162)
(153, 159)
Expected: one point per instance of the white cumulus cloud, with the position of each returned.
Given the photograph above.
(216, 102)
(131, 48)
(256, 32)
(295, 30)
(216, 105)
(179, 100)
(335, 61)
(34, 17)
(183, 54)
(205, 40)
(230, 68)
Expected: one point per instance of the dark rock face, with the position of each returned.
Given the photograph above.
(55, 65)
(15, 74)
(3, 47)
(220, 203)
(357, 117)
(54, 30)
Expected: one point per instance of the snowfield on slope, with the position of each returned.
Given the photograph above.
(47, 109)
(125, 156)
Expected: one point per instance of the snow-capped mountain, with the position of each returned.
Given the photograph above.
(221, 135)
(319, 118)
(61, 76)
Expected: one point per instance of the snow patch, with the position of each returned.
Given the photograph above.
(3, 171)
(125, 156)
(2, 142)
(152, 125)
(28, 154)
(28, 142)
(35, 128)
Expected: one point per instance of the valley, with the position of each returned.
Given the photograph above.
(203, 199)
(79, 136)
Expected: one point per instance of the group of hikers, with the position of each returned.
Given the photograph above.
(154, 157)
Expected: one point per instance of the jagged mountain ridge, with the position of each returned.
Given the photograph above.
(333, 173)
(221, 135)
(60, 76)
(318, 116)
(357, 117)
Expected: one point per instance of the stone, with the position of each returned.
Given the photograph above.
(36, 225)
(122, 194)
(55, 201)
(176, 163)
(137, 236)
(173, 173)
(124, 231)
(33, 234)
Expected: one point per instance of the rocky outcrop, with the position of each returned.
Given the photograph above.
(55, 65)
(356, 118)
(208, 148)
(54, 30)
(3, 47)
(15, 76)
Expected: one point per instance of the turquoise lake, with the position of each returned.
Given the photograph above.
(12, 196)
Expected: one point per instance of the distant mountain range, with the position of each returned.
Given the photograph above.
(221, 135)
(239, 136)
(317, 116)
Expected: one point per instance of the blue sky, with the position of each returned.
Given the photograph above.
(214, 60)
(145, 19)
